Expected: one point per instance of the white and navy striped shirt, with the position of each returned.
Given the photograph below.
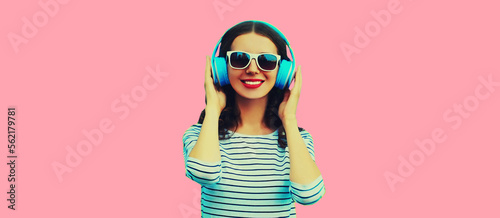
(252, 179)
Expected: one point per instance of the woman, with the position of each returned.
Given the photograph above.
(247, 151)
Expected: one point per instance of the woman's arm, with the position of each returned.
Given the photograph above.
(303, 169)
(202, 172)
(307, 185)
(207, 147)
(201, 147)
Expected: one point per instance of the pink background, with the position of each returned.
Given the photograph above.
(363, 114)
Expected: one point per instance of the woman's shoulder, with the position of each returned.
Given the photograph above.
(193, 129)
(194, 126)
(306, 136)
(304, 132)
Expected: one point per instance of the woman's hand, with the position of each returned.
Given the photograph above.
(215, 99)
(288, 107)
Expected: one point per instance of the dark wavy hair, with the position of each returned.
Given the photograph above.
(230, 115)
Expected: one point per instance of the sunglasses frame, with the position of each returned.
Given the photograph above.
(252, 56)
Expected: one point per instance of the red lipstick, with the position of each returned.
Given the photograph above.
(252, 83)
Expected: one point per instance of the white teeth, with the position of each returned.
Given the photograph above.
(253, 82)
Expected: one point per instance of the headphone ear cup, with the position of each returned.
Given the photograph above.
(220, 71)
(285, 75)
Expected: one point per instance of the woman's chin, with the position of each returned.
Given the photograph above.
(251, 95)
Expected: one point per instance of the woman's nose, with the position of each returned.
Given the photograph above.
(253, 67)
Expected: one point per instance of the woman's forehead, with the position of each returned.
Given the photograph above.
(253, 43)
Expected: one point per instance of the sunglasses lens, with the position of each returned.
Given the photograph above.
(267, 61)
(239, 59)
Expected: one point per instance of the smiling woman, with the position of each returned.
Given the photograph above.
(247, 151)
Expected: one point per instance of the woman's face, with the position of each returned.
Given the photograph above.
(256, 44)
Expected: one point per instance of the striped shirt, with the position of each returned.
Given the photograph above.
(252, 179)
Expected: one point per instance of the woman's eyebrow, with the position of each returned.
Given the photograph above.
(264, 52)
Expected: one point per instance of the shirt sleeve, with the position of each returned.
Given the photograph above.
(310, 193)
(204, 173)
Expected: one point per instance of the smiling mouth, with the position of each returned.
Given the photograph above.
(252, 83)
(249, 82)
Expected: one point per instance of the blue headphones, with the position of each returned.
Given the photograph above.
(285, 72)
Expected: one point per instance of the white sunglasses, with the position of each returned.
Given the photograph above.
(241, 60)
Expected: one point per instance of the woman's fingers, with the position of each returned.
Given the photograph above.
(299, 71)
(208, 70)
(209, 81)
(298, 81)
(214, 99)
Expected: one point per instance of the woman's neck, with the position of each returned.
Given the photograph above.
(252, 115)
